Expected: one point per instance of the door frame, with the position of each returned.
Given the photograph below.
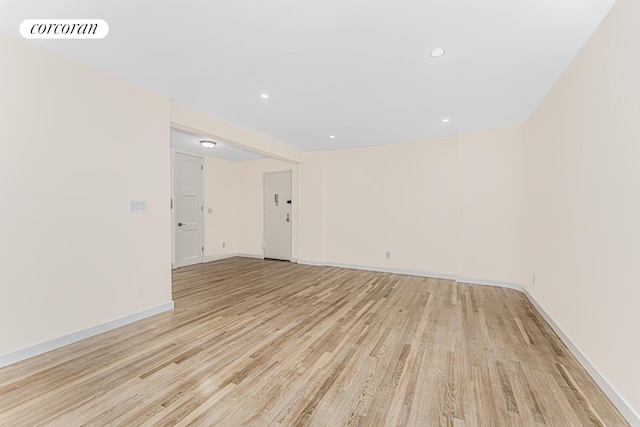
(174, 227)
(264, 222)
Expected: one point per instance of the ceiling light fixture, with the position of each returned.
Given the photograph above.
(332, 137)
(264, 95)
(437, 52)
(446, 120)
(208, 144)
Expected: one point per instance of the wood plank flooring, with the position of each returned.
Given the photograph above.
(267, 343)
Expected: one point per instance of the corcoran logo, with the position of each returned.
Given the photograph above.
(64, 29)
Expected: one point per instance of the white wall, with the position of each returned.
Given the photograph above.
(582, 157)
(77, 145)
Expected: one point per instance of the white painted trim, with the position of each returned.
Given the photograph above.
(306, 262)
(258, 256)
(616, 398)
(34, 350)
(211, 258)
(392, 270)
(511, 285)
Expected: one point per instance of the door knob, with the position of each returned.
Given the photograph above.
(180, 224)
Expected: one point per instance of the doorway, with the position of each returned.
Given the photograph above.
(188, 171)
(277, 215)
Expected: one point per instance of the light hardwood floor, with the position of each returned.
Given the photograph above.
(267, 343)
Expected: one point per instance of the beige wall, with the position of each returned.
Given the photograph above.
(77, 145)
(555, 197)
(582, 157)
(490, 206)
(311, 208)
(190, 120)
(249, 201)
(448, 207)
(398, 198)
(234, 193)
(220, 194)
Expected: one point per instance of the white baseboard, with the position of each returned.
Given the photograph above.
(211, 258)
(619, 402)
(314, 263)
(498, 283)
(392, 270)
(25, 353)
(257, 256)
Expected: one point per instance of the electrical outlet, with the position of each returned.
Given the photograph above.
(534, 278)
(387, 254)
(140, 291)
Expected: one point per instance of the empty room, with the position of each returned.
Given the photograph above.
(339, 213)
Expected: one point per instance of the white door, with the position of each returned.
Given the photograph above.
(277, 215)
(188, 215)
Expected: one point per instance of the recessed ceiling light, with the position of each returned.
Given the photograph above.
(264, 95)
(446, 120)
(437, 52)
(208, 144)
(332, 137)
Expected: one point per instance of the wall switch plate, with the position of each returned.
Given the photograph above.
(224, 245)
(137, 206)
(140, 291)
(387, 254)
(210, 211)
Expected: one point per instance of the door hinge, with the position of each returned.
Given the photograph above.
(201, 167)
(171, 203)
(202, 208)
(203, 249)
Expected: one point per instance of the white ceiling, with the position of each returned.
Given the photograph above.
(186, 141)
(359, 69)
